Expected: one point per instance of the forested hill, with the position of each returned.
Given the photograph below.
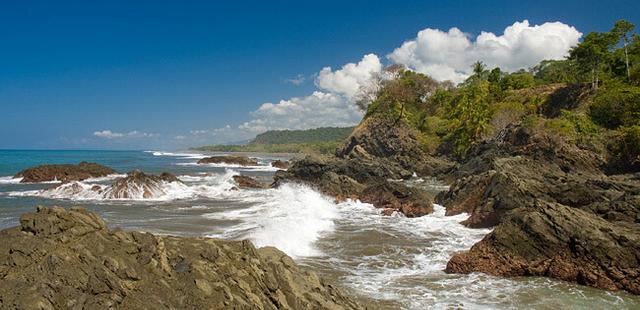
(318, 140)
(303, 136)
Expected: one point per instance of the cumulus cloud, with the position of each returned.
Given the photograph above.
(108, 134)
(449, 55)
(347, 80)
(320, 109)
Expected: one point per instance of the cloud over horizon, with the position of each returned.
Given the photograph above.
(449, 55)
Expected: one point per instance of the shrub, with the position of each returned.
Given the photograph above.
(616, 105)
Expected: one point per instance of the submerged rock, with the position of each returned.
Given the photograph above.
(229, 159)
(60, 259)
(138, 184)
(64, 173)
(244, 181)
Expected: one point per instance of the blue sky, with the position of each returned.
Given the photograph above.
(168, 75)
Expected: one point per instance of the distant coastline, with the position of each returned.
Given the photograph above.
(319, 140)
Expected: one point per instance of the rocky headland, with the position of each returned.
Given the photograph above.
(562, 204)
(69, 259)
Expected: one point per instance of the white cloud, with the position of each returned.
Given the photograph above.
(449, 55)
(347, 80)
(108, 134)
(298, 80)
(320, 109)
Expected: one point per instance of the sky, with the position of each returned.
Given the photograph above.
(168, 75)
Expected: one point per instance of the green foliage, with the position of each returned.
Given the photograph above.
(555, 71)
(517, 80)
(470, 115)
(303, 136)
(625, 149)
(616, 105)
(319, 140)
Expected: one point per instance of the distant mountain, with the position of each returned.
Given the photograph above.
(318, 140)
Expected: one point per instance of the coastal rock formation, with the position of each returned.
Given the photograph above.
(63, 173)
(370, 166)
(555, 212)
(138, 184)
(280, 164)
(229, 159)
(60, 259)
(554, 240)
(244, 181)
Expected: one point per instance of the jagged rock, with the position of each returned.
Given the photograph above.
(370, 166)
(555, 212)
(280, 164)
(63, 173)
(553, 240)
(231, 160)
(60, 259)
(244, 181)
(138, 184)
(520, 167)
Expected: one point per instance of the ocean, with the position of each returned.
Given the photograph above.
(391, 262)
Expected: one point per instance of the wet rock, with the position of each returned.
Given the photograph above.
(553, 240)
(87, 266)
(555, 212)
(138, 184)
(244, 181)
(229, 159)
(280, 164)
(64, 173)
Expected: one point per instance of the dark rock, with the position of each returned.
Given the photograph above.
(244, 181)
(280, 164)
(63, 173)
(231, 160)
(553, 240)
(60, 259)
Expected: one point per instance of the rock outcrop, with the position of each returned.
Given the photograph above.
(60, 259)
(557, 241)
(63, 173)
(370, 166)
(280, 164)
(555, 212)
(230, 160)
(139, 185)
(244, 181)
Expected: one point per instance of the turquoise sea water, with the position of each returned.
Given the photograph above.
(392, 262)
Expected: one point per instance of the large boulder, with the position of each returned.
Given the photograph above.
(60, 259)
(557, 241)
(229, 160)
(63, 173)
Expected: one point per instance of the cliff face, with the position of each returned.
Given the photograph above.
(60, 259)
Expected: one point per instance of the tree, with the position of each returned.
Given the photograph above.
(592, 54)
(470, 114)
(622, 30)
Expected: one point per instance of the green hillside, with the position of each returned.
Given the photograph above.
(319, 140)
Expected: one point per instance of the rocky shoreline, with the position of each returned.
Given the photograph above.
(58, 259)
(554, 210)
